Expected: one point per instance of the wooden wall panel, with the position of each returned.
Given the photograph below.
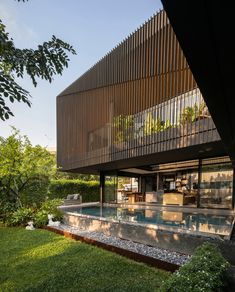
(131, 102)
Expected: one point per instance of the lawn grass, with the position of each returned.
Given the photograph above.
(43, 261)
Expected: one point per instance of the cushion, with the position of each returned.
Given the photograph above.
(70, 197)
(76, 197)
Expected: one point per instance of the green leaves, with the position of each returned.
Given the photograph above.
(20, 217)
(193, 113)
(21, 163)
(60, 188)
(48, 60)
(10, 90)
(207, 271)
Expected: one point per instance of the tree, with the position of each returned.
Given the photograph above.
(20, 165)
(49, 59)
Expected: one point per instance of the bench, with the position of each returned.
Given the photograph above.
(73, 199)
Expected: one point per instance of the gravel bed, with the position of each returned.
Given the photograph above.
(154, 252)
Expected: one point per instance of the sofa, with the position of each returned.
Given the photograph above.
(73, 199)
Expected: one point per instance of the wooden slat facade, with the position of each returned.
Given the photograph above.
(136, 101)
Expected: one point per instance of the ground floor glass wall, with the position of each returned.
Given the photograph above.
(110, 189)
(206, 183)
(216, 187)
(127, 189)
(178, 187)
(121, 189)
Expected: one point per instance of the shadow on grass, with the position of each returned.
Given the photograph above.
(43, 261)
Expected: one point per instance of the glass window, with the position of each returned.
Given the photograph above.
(121, 189)
(179, 187)
(110, 189)
(216, 186)
(128, 188)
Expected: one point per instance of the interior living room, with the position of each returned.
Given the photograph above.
(205, 183)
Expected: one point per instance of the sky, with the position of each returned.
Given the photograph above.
(93, 27)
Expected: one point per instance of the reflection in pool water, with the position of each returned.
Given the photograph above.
(209, 223)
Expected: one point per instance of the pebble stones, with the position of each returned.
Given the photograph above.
(155, 252)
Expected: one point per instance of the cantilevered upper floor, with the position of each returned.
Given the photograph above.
(138, 105)
(204, 29)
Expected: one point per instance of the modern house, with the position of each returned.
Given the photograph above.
(139, 119)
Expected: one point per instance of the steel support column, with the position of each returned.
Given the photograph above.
(102, 185)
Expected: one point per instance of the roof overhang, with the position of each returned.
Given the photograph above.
(205, 31)
(144, 162)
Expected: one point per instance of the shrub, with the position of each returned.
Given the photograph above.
(6, 209)
(63, 187)
(51, 207)
(20, 217)
(35, 193)
(206, 271)
(48, 207)
(40, 218)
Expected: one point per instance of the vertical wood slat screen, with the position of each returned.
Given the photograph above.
(135, 101)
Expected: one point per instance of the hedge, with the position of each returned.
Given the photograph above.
(63, 187)
(35, 193)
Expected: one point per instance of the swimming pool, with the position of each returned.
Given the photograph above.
(188, 221)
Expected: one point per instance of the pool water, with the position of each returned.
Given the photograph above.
(208, 223)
